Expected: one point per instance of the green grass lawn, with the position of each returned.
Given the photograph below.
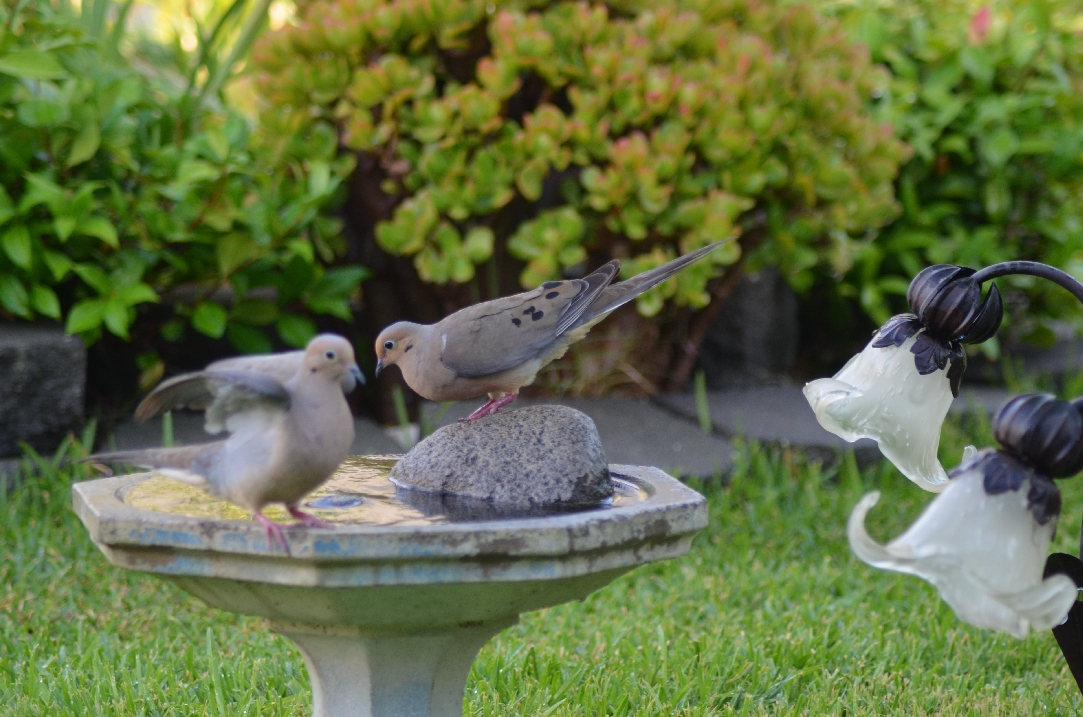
(769, 614)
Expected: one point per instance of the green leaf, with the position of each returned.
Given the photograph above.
(45, 301)
(340, 281)
(196, 171)
(248, 339)
(295, 330)
(254, 311)
(41, 113)
(64, 226)
(85, 145)
(210, 319)
(17, 245)
(32, 65)
(999, 147)
(94, 278)
(42, 190)
(319, 179)
(116, 317)
(101, 228)
(59, 264)
(234, 250)
(85, 316)
(13, 296)
(479, 244)
(137, 294)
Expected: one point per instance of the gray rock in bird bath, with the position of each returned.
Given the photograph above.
(390, 606)
(528, 458)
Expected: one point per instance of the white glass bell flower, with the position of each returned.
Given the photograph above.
(896, 392)
(984, 552)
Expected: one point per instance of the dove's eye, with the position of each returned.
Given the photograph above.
(330, 355)
(389, 345)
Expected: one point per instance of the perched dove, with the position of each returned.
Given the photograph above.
(286, 437)
(498, 346)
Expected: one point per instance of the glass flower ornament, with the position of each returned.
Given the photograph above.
(984, 540)
(897, 391)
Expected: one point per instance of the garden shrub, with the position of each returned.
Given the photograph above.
(117, 190)
(568, 133)
(991, 99)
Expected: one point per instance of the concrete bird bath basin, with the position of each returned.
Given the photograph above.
(390, 607)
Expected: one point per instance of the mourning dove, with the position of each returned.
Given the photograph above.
(286, 438)
(498, 346)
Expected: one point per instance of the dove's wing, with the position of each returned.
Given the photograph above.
(281, 366)
(224, 394)
(498, 335)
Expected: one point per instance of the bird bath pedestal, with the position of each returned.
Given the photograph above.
(389, 607)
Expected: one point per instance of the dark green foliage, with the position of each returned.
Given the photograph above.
(991, 99)
(118, 189)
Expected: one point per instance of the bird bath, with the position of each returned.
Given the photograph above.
(389, 607)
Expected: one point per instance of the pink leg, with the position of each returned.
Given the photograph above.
(309, 520)
(274, 530)
(491, 407)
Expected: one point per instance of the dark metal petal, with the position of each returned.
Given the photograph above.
(952, 311)
(984, 326)
(929, 282)
(930, 353)
(957, 368)
(1045, 432)
(1002, 472)
(1043, 499)
(896, 331)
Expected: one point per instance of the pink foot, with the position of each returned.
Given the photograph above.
(274, 530)
(308, 520)
(491, 407)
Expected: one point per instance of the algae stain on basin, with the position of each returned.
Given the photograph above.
(359, 493)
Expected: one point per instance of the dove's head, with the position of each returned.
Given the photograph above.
(332, 356)
(393, 343)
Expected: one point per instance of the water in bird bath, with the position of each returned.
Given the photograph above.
(359, 493)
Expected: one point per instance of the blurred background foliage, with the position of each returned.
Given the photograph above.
(990, 97)
(125, 181)
(508, 143)
(177, 174)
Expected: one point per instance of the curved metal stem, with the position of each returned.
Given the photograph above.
(1032, 268)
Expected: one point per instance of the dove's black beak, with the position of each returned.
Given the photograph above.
(356, 373)
(379, 367)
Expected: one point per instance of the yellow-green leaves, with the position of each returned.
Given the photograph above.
(569, 126)
(548, 244)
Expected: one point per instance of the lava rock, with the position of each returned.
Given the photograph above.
(42, 384)
(541, 455)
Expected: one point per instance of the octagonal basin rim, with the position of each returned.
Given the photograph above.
(670, 509)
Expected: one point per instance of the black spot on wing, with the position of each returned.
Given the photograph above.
(551, 285)
(552, 295)
(529, 310)
(537, 315)
(517, 322)
(407, 348)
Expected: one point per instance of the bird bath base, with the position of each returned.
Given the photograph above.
(389, 607)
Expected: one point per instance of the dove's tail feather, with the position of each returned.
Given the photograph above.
(188, 464)
(182, 457)
(616, 295)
